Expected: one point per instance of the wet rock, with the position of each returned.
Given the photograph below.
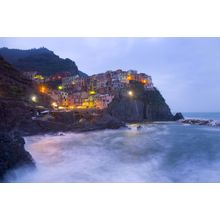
(178, 116)
(13, 154)
(139, 127)
(201, 122)
(60, 134)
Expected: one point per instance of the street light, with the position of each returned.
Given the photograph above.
(130, 93)
(60, 87)
(54, 104)
(43, 89)
(34, 98)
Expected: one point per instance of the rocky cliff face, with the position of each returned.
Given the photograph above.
(14, 109)
(70, 121)
(156, 108)
(13, 154)
(14, 93)
(140, 105)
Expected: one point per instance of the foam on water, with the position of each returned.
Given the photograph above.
(215, 116)
(159, 152)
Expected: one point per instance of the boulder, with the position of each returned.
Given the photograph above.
(178, 116)
(13, 153)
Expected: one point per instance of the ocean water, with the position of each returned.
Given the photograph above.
(203, 115)
(159, 152)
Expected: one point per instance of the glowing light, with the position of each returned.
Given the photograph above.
(43, 89)
(130, 93)
(129, 78)
(54, 104)
(60, 87)
(34, 98)
(39, 77)
(144, 81)
(92, 92)
(61, 107)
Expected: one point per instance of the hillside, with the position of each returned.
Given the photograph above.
(15, 97)
(42, 60)
(13, 84)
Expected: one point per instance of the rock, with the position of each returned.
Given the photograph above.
(144, 105)
(158, 112)
(156, 108)
(64, 117)
(108, 121)
(14, 113)
(60, 134)
(139, 127)
(12, 153)
(127, 110)
(178, 116)
(201, 122)
(38, 127)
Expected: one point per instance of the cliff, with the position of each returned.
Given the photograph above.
(140, 105)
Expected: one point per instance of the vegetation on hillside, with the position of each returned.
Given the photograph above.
(42, 60)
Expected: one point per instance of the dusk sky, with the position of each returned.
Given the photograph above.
(185, 70)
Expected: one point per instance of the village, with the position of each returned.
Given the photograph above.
(69, 92)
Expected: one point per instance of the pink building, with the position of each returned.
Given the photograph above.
(102, 101)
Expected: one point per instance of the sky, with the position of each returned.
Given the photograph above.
(185, 70)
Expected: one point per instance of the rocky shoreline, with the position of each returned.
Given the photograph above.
(21, 117)
(13, 154)
(210, 122)
(12, 151)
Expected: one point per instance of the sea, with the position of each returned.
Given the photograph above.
(157, 152)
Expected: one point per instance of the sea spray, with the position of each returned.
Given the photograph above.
(159, 152)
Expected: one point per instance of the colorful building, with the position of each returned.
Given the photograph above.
(98, 90)
(58, 76)
(102, 100)
(34, 76)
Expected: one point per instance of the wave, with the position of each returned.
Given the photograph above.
(158, 152)
(193, 121)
